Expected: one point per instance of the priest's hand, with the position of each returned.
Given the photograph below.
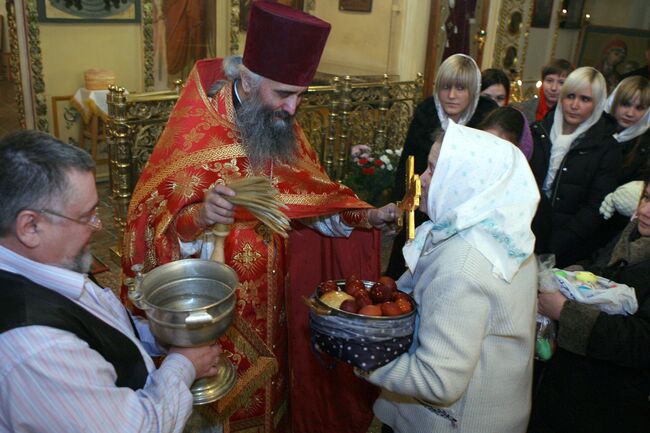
(385, 218)
(204, 358)
(216, 209)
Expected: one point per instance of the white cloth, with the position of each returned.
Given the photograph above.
(633, 131)
(561, 143)
(624, 200)
(482, 188)
(469, 112)
(52, 381)
(473, 354)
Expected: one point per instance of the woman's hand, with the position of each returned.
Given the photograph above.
(551, 304)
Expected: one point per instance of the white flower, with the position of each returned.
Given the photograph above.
(389, 151)
(385, 159)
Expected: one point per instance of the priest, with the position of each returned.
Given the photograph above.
(236, 119)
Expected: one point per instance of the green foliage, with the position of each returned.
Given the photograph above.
(372, 178)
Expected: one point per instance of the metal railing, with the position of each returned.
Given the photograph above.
(333, 117)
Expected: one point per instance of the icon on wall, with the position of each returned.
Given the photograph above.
(89, 11)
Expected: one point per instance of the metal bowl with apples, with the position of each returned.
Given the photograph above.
(364, 323)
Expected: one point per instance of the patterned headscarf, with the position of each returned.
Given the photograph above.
(483, 190)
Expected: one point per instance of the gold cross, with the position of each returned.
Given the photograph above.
(411, 199)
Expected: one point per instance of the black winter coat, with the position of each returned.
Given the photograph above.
(608, 389)
(567, 222)
(419, 140)
(636, 159)
(636, 166)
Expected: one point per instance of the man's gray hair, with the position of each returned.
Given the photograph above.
(34, 169)
(233, 67)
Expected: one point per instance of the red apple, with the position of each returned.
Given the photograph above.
(362, 292)
(389, 282)
(390, 309)
(380, 293)
(363, 299)
(353, 287)
(404, 305)
(327, 286)
(351, 278)
(350, 306)
(400, 295)
(370, 310)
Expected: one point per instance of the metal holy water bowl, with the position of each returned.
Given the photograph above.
(188, 302)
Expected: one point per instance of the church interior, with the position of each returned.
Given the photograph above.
(107, 82)
(379, 62)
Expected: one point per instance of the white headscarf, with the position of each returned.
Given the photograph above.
(561, 143)
(471, 107)
(631, 131)
(483, 190)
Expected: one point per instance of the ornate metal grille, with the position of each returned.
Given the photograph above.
(334, 118)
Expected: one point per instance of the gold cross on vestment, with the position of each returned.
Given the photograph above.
(411, 199)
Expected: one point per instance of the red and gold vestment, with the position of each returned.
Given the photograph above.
(199, 149)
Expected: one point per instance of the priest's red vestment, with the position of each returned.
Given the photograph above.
(269, 340)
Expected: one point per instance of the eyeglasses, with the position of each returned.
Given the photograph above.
(94, 222)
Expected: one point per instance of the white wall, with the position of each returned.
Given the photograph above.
(359, 41)
(391, 39)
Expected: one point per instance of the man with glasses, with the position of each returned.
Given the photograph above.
(71, 358)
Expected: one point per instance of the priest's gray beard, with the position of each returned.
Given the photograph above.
(266, 134)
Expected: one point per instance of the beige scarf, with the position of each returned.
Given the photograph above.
(631, 247)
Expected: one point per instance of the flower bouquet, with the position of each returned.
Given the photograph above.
(372, 177)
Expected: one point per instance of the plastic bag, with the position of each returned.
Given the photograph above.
(584, 287)
(545, 338)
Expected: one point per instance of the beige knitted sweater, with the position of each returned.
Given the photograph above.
(470, 369)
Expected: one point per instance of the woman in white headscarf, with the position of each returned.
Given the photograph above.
(473, 276)
(457, 96)
(629, 104)
(575, 161)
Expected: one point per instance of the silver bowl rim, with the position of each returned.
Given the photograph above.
(190, 310)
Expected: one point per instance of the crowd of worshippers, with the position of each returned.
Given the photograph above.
(589, 153)
(563, 176)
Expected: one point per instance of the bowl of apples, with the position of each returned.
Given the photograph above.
(364, 323)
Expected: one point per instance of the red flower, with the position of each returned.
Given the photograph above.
(363, 161)
(379, 162)
(368, 170)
